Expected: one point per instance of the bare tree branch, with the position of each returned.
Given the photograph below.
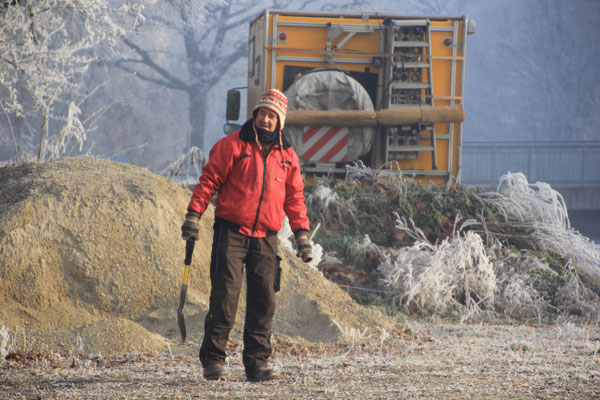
(172, 81)
(161, 82)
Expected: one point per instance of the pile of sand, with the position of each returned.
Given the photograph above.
(91, 260)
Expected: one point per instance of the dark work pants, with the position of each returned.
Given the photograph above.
(230, 251)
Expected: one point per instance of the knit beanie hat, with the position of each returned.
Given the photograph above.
(275, 101)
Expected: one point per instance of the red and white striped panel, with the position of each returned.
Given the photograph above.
(325, 143)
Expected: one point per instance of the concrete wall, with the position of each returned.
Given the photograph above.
(580, 198)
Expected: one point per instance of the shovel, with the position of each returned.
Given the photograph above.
(189, 249)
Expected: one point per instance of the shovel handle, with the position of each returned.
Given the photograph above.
(189, 249)
(186, 276)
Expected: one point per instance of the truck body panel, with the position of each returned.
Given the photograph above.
(405, 64)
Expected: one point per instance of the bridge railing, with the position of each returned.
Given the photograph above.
(561, 164)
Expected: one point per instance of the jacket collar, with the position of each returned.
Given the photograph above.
(247, 135)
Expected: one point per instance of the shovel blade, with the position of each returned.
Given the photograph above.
(181, 323)
(180, 319)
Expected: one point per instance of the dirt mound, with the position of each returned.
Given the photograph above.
(91, 260)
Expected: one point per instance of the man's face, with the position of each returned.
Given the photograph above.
(266, 119)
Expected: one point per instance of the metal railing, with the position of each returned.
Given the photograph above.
(561, 164)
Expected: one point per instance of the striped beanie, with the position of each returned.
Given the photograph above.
(275, 101)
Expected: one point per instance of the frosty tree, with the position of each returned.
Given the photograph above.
(214, 35)
(46, 46)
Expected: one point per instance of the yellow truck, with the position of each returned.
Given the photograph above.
(382, 89)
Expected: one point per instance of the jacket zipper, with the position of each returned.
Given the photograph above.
(262, 192)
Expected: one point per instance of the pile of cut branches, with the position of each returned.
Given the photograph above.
(454, 250)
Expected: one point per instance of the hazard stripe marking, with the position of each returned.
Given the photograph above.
(341, 145)
(325, 143)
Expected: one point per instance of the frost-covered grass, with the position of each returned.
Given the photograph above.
(7, 342)
(449, 361)
(456, 251)
(14, 347)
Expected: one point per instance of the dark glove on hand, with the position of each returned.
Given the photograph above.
(190, 227)
(304, 247)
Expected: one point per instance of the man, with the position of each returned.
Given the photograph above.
(256, 175)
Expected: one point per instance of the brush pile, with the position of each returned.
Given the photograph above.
(453, 250)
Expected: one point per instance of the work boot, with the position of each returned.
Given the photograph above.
(261, 374)
(214, 372)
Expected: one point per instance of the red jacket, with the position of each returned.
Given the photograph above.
(254, 191)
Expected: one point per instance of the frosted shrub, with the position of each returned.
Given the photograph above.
(389, 175)
(193, 159)
(327, 200)
(454, 275)
(575, 298)
(461, 275)
(516, 297)
(582, 254)
(541, 214)
(531, 202)
(286, 235)
(455, 250)
(7, 343)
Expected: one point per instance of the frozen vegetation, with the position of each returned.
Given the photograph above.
(455, 251)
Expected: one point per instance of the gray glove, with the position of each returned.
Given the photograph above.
(190, 226)
(303, 245)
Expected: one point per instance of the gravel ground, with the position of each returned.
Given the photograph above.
(439, 360)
